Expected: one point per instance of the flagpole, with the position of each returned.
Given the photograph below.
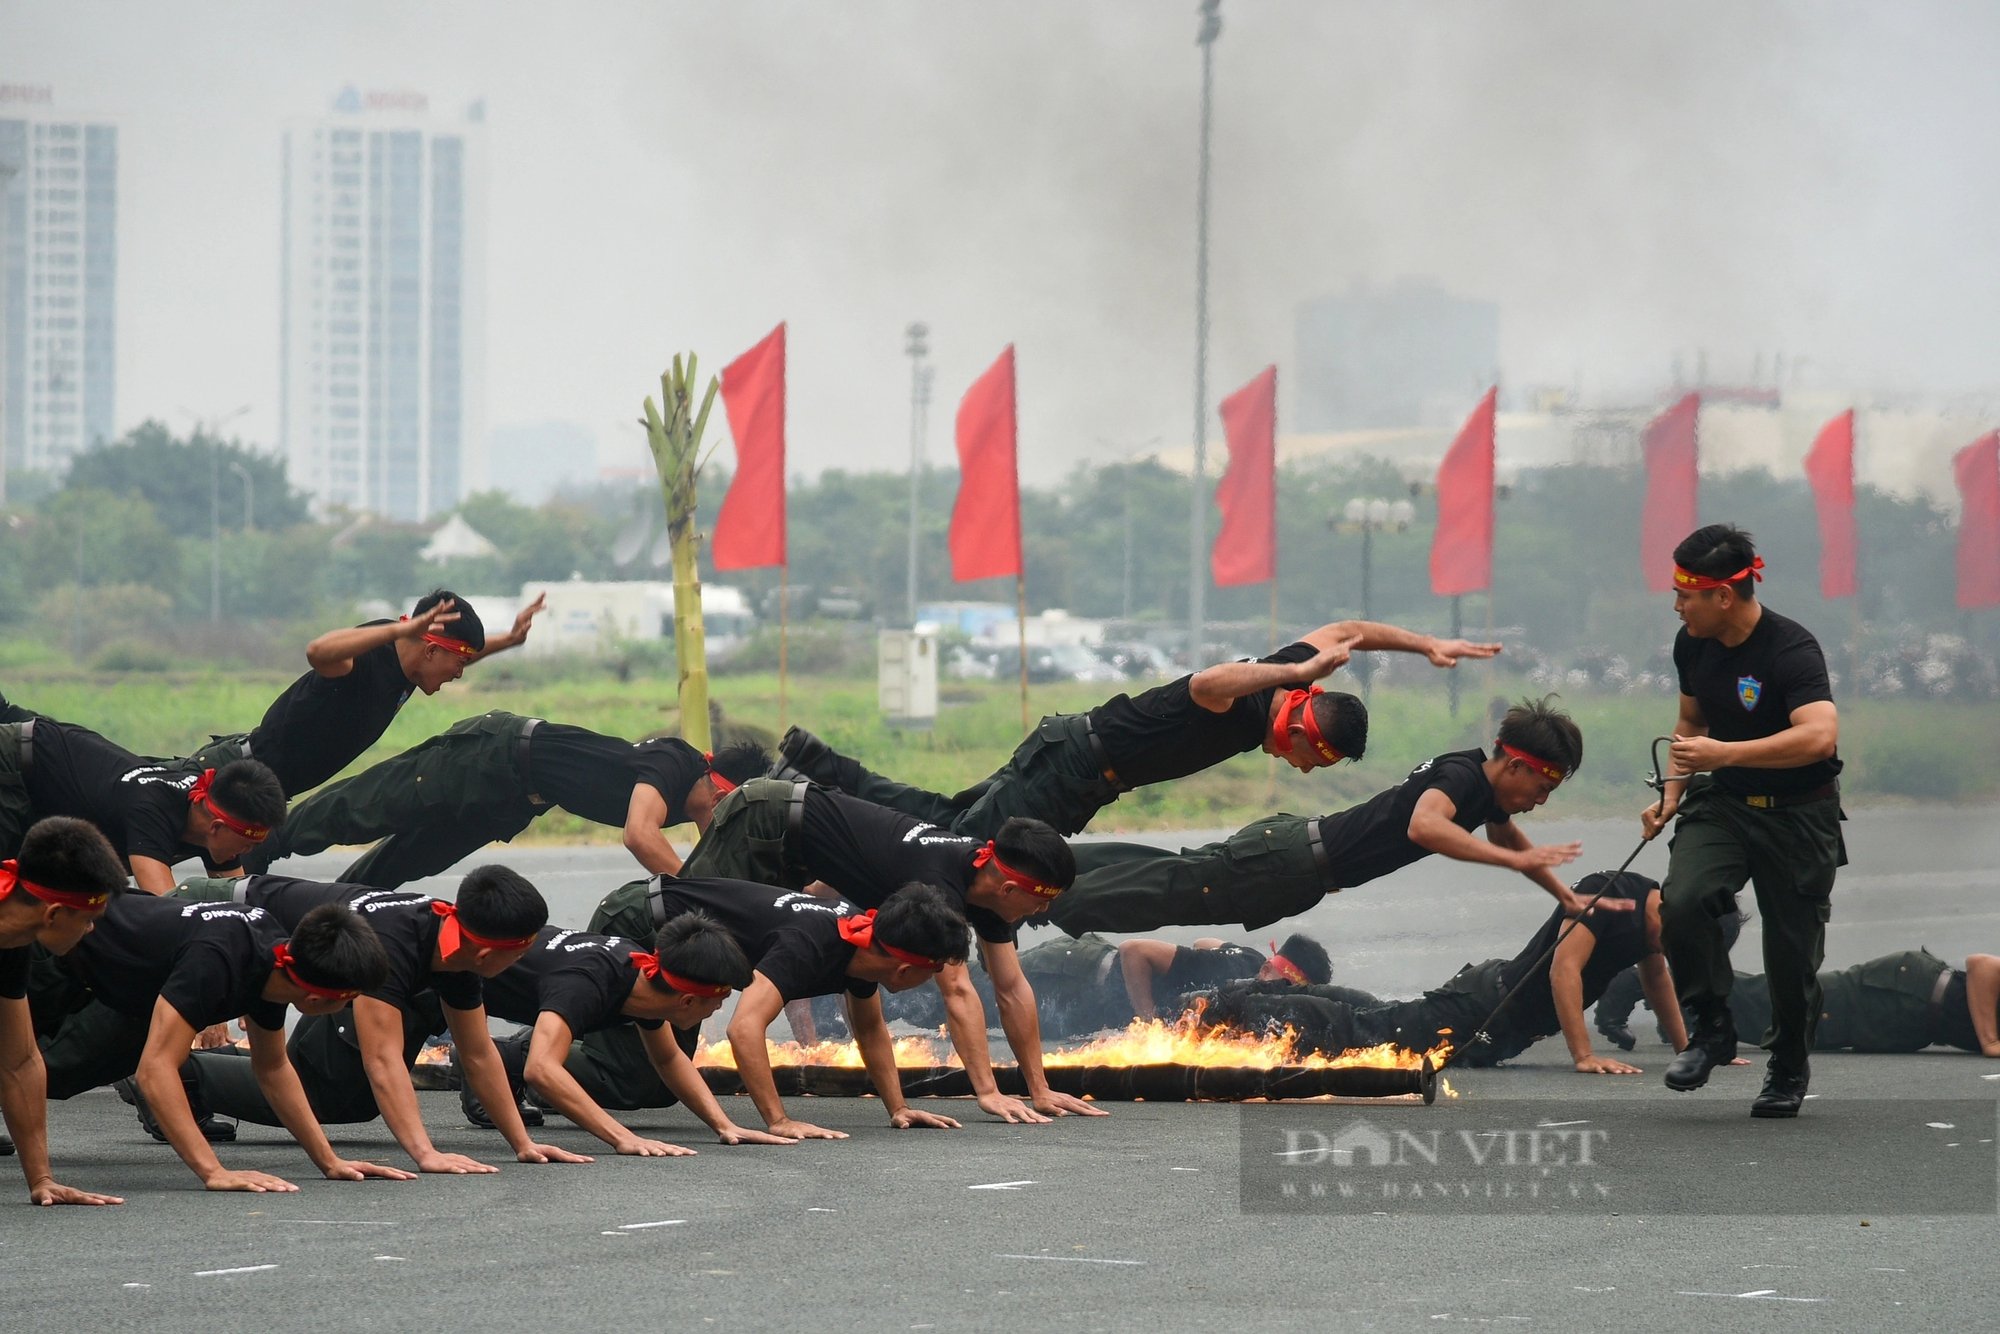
(1457, 631)
(784, 638)
(1271, 799)
(1021, 604)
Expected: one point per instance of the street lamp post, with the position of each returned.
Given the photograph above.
(918, 348)
(1211, 28)
(212, 429)
(1368, 515)
(249, 496)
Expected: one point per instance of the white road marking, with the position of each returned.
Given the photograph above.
(1184, 1169)
(1552, 1125)
(401, 1260)
(1940, 1125)
(243, 1269)
(1071, 1259)
(1004, 1185)
(335, 1222)
(817, 1210)
(1759, 1294)
(640, 1227)
(138, 1285)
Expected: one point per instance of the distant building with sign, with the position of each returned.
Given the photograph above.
(58, 281)
(383, 302)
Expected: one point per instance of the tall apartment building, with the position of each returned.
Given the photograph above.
(58, 281)
(383, 306)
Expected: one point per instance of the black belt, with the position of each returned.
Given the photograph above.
(795, 814)
(27, 746)
(1937, 996)
(1779, 800)
(528, 726)
(1321, 862)
(1099, 756)
(656, 901)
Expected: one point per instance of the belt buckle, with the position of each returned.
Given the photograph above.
(1761, 803)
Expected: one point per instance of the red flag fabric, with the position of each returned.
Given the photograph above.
(1246, 543)
(1462, 548)
(986, 517)
(1830, 470)
(1977, 468)
(1672, 482)
(750, 529)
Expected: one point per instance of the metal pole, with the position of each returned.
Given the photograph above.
(918, 347)
(249, 496)
(1211, 28)
(214, 532)
(1126, 602)
(1366, 666)
(1457, 631)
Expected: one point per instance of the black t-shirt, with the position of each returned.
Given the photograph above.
(1750, 692)
(585, 978)
(14, 973)
(1373, 839)
(1621, 942)
(403, 922)
(1162, 734)
(1954, 1017)
(868, 852)
(592, 775)
(322, 724)
(791, 938)
(142, 808)
(209, 961)
(1199, 970)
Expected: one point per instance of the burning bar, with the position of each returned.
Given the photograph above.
(1127, 1083)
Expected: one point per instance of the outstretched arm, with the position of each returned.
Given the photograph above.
(24, 1103)
(1016, 1001)
(378, 1029)
(965, 1017)
(1431, 829)
(1378, 637)
(279, 1083)
(548, 1049)
(878, 1057)
(518, 634)
(334, 652)
(677, 1072)
(1566, 984)
(756, 1007)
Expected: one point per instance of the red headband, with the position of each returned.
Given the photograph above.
(198, 794)
(10, 878)
(649, 966)
(281, 954)
(1288, 970)
(1688, 579)
(723, 787)
(1012, 876)
(1281, 729)
(1554, 772)
(449, 935)
(448, 644)
(858, 930)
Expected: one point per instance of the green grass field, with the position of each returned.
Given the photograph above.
(1896, 750)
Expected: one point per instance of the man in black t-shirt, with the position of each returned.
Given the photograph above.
(1283, 864)
(1755, 784)
(355, 1064)
(50, 897)
(360, 678)
(488, 778)
(791, 833)
(1091, 983)
(1074, 765)
(1555, 992)
(154, 814)
(574, 983)
(173, 968)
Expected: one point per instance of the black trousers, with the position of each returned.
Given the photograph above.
(327, 1055)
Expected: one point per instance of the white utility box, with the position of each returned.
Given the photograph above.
(907, 675)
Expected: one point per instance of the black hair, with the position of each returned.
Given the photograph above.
(1343, 722)
(333, 947)
(1718, 551)
(1546, 732)
(1310, 956)
(500, 903)
(1035, 847)
(920, 918)
(467, 629)
(699, 948)
(250, 792)
(72, 856)
(741, 762)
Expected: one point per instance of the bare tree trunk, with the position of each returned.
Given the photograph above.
(675, 440)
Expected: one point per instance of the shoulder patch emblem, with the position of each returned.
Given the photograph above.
(1749, 689)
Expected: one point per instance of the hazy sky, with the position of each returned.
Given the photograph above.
(1624, 179)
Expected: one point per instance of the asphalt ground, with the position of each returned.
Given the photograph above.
(1691, 1212)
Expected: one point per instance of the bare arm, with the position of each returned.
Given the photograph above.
(24, 1103)
(155, 876)
(1018, 1019)
(1141, 961)
(279, 1083)
(878, 1057)
(378, 1028)
(965, 1018)
(333, 653)
(1431, 829)
(677, 1072)
(1690, 722)
(168, 1041)
(1813, 735)
(1566, 984)
(756, 1008)
(645, 837)
(1658, 983)
(548, 1049)
(1377, 637)
(479, 1062)
(1982, 998)
(1216, 688)
(1507, 834)
(518, 634)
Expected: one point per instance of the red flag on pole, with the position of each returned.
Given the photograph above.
(1246, 543)
(1462, 548)
(1977, 468)
(750, 530)
(1672, 482)
(1830, 470)
(986, 517)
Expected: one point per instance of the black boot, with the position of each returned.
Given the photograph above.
(809, 757)
(212, 1127)
(1784, 1090)
(513, 1058)
(1617, 1031)
(1713, 1044)
(6, 1145)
